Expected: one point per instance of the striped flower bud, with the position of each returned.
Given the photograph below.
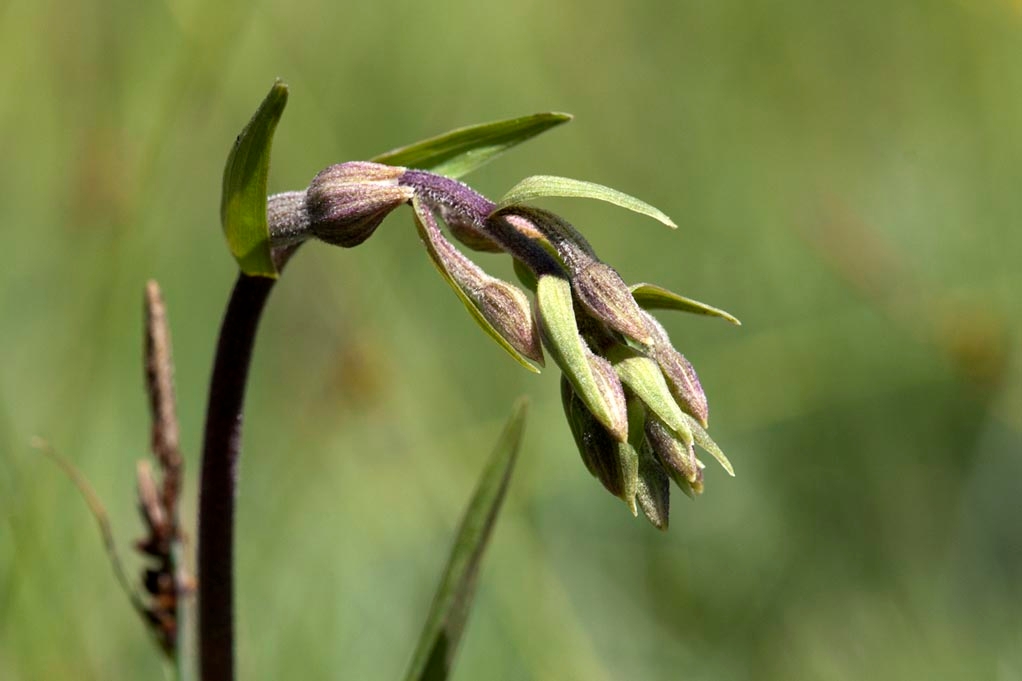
(348, 201)
(679, 372)
(606, 297)
(500, 308)
(601, 453)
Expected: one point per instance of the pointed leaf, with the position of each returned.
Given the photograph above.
(459, 152)
(243, 202)
(539, 186)
(507, 319)
(438, 643)
(651, 297)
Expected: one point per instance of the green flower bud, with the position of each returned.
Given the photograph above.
(346, 202)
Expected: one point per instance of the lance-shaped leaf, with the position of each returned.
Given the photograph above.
(651, 297)
(500, 308)
(434, 654)
(459, 152)
(644, 379)
(592, 377)
(538, 186)
(243, 201)
(600, 452)
(680, 374)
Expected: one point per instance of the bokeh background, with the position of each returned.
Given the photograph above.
(846, 177)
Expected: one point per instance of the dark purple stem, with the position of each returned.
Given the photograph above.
(457, 202)
(218, 485)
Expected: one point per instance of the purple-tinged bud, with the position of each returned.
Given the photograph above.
(601, 452)
(677, 456)
(680, 375)
(602, 292)
(653, 488)
(500, 308)
(348, 201)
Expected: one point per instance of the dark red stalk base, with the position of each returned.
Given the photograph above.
(218, 485)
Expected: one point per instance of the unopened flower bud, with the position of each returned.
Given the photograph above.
(601, 452)
(346, 202)
(677, 457)
(653, 488)
(500, 308)
(603, 293)
(680, 375)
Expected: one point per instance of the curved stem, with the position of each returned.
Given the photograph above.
(218, 485)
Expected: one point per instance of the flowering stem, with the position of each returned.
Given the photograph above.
(218, 484)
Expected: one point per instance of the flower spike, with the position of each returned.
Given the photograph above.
(633, 402)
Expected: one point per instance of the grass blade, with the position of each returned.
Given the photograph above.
(434, 655)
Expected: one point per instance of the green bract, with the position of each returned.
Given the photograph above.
(539, 186)
(597, 387)
(459, 152)
(243, 201)
(651, 297)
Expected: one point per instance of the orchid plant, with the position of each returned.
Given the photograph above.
(633, 403)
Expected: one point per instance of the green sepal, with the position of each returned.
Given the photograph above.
(652, 297)
(438, 643)
(539, 186)
(459, 152)
(243, 201)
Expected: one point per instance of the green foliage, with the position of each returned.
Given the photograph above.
(459, 152)
(539, 186)
(652, 297)
(243, 202)
(445, 623)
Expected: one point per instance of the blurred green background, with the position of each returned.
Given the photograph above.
(846, 177)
